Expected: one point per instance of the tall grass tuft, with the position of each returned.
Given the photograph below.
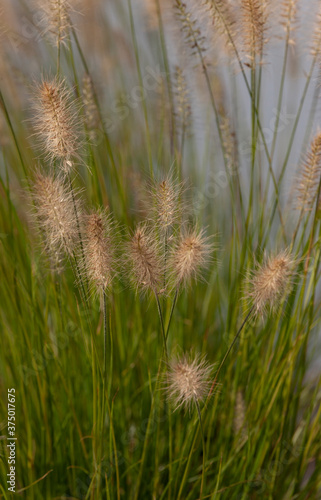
(152, 126)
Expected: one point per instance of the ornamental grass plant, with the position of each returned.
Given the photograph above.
(160, 229)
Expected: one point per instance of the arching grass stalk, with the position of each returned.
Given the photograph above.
(313, 229)
(171, 313)
(161, 319)
(58, 56)
(280, 97)
(253, 143)
(78, 228)
(203, 410)
(294, 129)
(164, 334)
(106, 390)
(204, 447)
(72, 61)
(8, 120)
(195, 40)
(147, 433)
(165, 244)
(168, 77)
(229, 350)
(105, 134)
(105, 336)
(140, 78)
(248, 87)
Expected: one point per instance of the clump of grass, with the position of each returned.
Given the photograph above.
(87, 371)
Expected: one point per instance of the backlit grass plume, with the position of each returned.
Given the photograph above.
(316, 37)
(239, 422)
(223, 19)
(270, 281)
(166, 202)
(288, 16)
(310, 176)
(55, 121)
(188, 380)
(190, 27)
(253, 27)
(182, 101)
(99, 250)
(191, 254)
(55, 214)
(143, 260)
(55, 19)
(90, 108)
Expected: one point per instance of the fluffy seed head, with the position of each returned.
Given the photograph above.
(224, 19)
(144, 260)
(310, 176)
(99, 250)
(253, 27)
(188, 380)
(190, 27)
(239, 424)
(191, 254)
(229, 141)
(55, 121)
(289, 18)
(90, 108)
(182, 101)
(55, 215)
(316, 38)
(55, 19)
(271, 281)
(166, 203)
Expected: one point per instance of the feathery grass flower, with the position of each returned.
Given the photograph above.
(310, 176)
(166, 204)
(316, 36)
(289, 18)
(239, 423)
(90, 108)
(99, 250)
(55, 19)
(182, 100)
(190, 255)
(190, 27)
(55, 214)
(55, 121)
(144, 260)
(188, 380)
(224, 18)
(253, 27)
(271, 281)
